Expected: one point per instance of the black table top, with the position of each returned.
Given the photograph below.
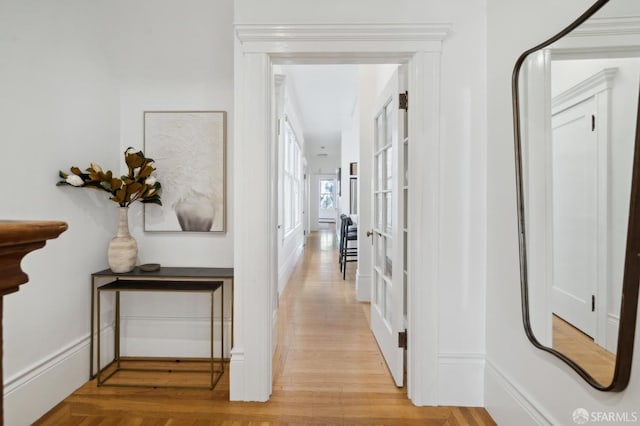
(171, 272)
(137, 285)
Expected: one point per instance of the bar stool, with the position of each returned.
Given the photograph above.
(345, 223)
(348, 232)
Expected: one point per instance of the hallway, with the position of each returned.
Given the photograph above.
(324, 339)
(327, 358)
(327, 370)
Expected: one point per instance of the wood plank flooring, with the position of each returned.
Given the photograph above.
(327, 370)
(581, 348)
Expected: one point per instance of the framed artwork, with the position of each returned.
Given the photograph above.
(189, 149)
(353, 195)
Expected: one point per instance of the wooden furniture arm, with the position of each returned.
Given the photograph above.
(17, 239)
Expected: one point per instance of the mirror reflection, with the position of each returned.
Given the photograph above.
(578, 108)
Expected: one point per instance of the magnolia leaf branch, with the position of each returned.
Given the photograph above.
(138, 184)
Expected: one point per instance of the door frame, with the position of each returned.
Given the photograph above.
(330, 177)
(257, 48)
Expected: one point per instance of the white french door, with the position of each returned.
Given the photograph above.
(388, 233)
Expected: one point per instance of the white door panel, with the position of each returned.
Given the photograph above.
(575, 221)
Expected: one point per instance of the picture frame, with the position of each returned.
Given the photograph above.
(353, 195)
(189, 150)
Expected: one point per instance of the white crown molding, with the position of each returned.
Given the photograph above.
(601, 38)
(343, 32)
(608, 27)
(343, 40)
(585, 89)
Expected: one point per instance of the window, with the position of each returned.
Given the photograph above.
(326, 194)
(292, 179)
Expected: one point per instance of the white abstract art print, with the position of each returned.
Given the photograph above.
(188, 148)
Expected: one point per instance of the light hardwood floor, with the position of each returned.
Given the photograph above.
(581, 348)
(327, 370)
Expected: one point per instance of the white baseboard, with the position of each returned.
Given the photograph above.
(236, 375)
(613, 326)
(274, 332)
(461, 379)
(509, 404)
(363, 287)
(32, 392)
(287, 267)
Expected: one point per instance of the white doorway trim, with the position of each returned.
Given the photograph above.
(257, 48)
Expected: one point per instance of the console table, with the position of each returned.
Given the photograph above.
(174, 279)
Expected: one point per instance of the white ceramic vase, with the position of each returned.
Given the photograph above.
(123, 249)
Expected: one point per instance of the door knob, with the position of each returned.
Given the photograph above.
(369, 233)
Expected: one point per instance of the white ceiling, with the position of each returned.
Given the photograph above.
(325, 96)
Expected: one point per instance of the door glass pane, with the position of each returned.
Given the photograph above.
(375, 288)
(380, 252)
(380, 134)
(388, 256)
(406, 165)
(404, 257)
(404, 293)
(388, 172)
(389, 214)
(388, 306)
(383, 297)
(379, 210)
(379, 172)
(389, 128)
(405, 210)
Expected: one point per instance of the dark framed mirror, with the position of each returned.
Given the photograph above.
(577, 152)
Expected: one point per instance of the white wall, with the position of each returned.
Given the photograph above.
(76, 79)
(325, 167)
(173, 57)
(58, 108)
(350, 152)
(523, 385)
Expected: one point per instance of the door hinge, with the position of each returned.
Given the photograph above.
(404, 101)
(593, 122)
(593, 303)
(402, 339)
